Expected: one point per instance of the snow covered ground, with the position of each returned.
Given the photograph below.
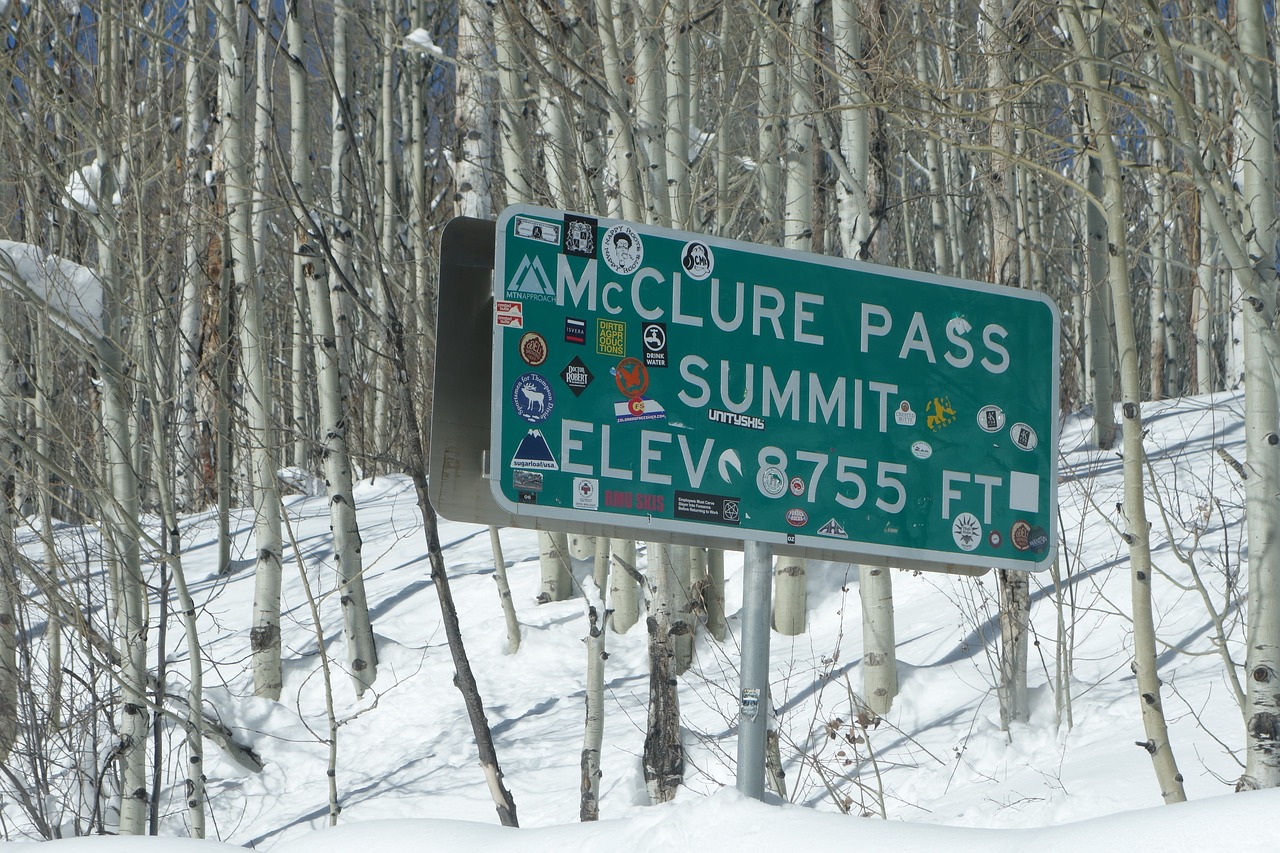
(938, 766)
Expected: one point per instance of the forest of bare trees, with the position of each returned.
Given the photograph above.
(220, 260)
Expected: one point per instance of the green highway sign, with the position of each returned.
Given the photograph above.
(666, 381)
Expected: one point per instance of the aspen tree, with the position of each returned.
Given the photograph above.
(1255, 129)
(265, 634)
(334, 415)
(1014, 586)
(9, 591)
(790, 602)
(1137, 530)
(623, 585)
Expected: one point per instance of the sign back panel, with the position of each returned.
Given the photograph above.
(668, 381)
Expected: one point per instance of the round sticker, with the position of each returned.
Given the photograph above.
(1023, 436)
(533, 348)
(622, 249)
(797, 517)
(531, 395)
(655, 337)
(921, 450)
(991, 418)
(797, 486)
(966, 530)
(994, 539)
(1020, 534)
(697, 260)
(771, 482)
(631, 377)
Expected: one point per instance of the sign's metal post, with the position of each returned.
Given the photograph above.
(753, 715)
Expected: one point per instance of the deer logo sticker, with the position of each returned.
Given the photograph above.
(532, 397)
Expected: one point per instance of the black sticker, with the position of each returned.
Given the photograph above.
(692, 506)
(654, 338)
(580, 236)
(575, 330)
(576, 376)
(1038, 540)
(528, 498)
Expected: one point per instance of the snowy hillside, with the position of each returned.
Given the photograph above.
(938, 758)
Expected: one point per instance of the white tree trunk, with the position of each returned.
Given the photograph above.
(254, 353)
(680, 566)
(593, 733)
(504, 592)
(879, 650)
(193, 274)
(663, 755)
(553, 559)
(651, 100)
(621, 143)
(334, 415)
(1004, 270)
(624, 589)
(855, 129)
(1100, 325)
(477, 117)
(1205, 309)
(1256, 135)
(1137, 530)
(515, 105)
(713, 597)
(679, 93)
(9, 592)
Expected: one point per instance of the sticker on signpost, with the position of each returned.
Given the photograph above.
(1024, 437)
(533, 348)
(622, 249)
(530, 283)
(586, 493)
(697, 260)
(534, 453)
(536, 229)
(834, 529)
(967, 531)
(577, 376)
(508, 314)
(532, 397)
(991, 418)
(654, 338)
(580, 236)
